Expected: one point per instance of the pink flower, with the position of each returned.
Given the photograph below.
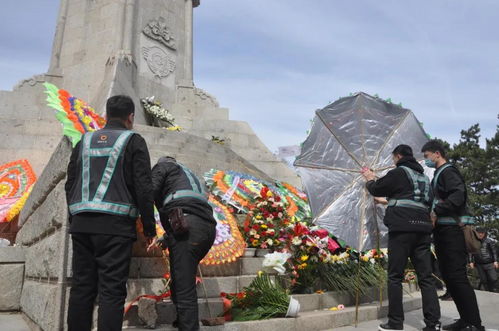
(340, 307)
(332, 245)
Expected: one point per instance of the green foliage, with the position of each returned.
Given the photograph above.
(352, 277)
(262, 299)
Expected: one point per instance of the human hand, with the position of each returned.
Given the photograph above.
(433, 218)
(472, 265)
(368, 174)
(496, 265)
(381, 201)
(151, 243)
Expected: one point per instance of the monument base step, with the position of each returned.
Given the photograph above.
(312, 320)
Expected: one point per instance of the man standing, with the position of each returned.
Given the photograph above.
(449, 205)
(409, 229)
(486, 261)
(188, 219)
(108, 184)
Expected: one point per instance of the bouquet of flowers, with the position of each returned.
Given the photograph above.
(264, 225)
(157, 111)
(309, 247)
(262, 299)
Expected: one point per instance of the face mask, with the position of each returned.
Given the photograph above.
(429, 163)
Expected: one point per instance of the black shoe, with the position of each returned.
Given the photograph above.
(175, 323)
(457, 325)
(472, 328)
(445, 297)
(388, 326)
(436, 327)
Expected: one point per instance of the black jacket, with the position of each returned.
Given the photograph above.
(451, 193)
(137, 170)
(397, 185)
(488, 252)
(168, 177)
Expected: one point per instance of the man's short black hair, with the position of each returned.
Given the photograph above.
(481, 230)
(119, 106)
(403, 150)
(434, 146)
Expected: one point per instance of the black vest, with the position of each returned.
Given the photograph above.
(101, 187)
(419, 196)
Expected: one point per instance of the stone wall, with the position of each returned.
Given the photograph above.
(28, 129)
(11, 275)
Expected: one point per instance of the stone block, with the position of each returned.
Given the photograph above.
(50, 177)
(42, 258)
(11, 284)
(46, 217)
(333, 299)
(146, 310)
(38, 301)
(148, 267)
(214, 286)
(12, 254)
(309, 302)
(251, 265)
(222, 270)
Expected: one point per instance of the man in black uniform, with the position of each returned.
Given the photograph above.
(409, 234)
(486, 261)
(108, 185)
(449, 205)
(178, 190)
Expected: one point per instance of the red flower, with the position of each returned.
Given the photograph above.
(263, 192)
(275, 214)
(277, 198)
(256, 227)
(300, 230)
(321, 233)
(332, 245)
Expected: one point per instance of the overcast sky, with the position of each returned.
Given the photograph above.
(274, 62)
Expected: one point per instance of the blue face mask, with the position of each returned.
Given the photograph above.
(430, 164)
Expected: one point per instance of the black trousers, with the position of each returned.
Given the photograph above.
(185, 253)
(452, 257)
(488, 275)
(414, 245)
(100, 266)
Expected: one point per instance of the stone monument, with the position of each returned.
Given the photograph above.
(141, 48)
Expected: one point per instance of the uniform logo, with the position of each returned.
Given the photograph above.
(103, 137)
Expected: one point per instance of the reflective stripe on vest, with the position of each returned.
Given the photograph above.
(447, 220)
(417, 178)
(435, 183)
(184, 194)
(97, 204)
(193, 180)
(406, 203)
(102, 206)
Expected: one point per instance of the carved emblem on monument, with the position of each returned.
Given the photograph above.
(157, 30)
(160, 63)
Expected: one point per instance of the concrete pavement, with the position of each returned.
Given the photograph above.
(487, 302)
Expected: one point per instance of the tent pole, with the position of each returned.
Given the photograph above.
(357, 293)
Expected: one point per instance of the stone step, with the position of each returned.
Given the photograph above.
(166, 311)
(312, 320)
(156, 267)
(308, 303)
(214, 286)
